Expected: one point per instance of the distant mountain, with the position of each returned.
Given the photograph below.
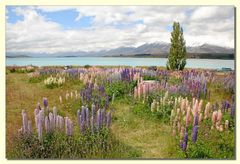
(158, 49)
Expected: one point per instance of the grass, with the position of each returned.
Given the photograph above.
(132, 135)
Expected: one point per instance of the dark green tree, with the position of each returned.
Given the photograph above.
(177, 54)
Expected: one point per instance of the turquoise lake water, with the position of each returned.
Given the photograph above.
(115, 61)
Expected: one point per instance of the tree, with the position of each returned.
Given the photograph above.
(177, 54)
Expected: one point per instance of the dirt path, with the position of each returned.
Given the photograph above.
(151, 138)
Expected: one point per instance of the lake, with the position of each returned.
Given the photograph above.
(115, 61)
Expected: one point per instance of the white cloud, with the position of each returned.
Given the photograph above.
(36, 33)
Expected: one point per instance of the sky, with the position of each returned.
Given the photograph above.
(59, 29)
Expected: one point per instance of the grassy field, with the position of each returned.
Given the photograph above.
(137, 135)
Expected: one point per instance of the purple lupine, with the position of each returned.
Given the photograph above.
(45, 102)
(47, 126)
(181, 144)
(195, 132)
(24, 121)
(109, 118)
(196, 119)
(185, 139)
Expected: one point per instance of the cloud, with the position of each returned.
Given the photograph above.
(116, 26)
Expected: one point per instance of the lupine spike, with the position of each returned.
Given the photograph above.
(45, 102)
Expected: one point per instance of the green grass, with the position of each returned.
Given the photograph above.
(135, 133)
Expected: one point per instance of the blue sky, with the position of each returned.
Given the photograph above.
(93, 28)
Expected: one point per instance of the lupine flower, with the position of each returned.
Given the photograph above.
(181, 144)
(214, 117)
(45, 102)
(196, 119)
(206, 112)
(195, 132)
(221, 128)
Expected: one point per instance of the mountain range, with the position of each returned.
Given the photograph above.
(157, 49)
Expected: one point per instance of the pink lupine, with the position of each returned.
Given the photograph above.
(206, 112)
(183, 103)
(24, 121)
(214, 118)
(199, 106)
(188, 117)
(221, 128)
(179, 126)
